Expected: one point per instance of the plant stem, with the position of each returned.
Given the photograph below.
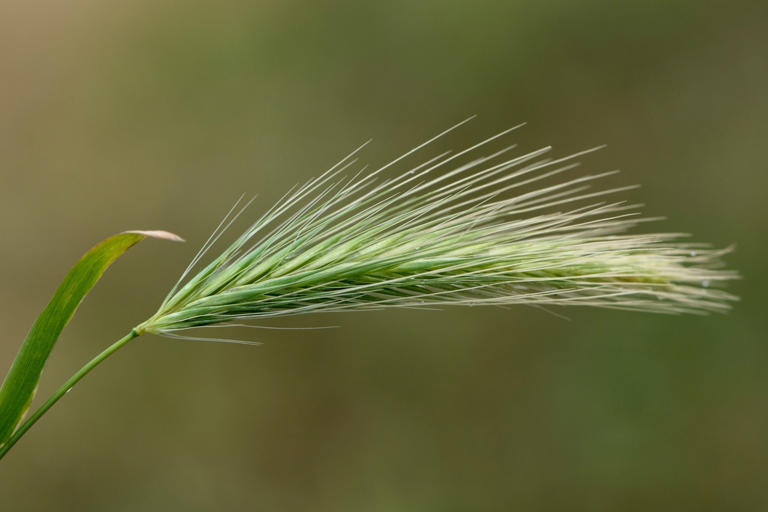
(82, 372)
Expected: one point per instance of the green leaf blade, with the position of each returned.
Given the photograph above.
(20, 384)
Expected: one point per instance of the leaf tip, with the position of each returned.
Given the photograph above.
(162, 235)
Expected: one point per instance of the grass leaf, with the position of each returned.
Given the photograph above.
(21, 382)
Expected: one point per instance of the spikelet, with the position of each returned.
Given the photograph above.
(459, 229)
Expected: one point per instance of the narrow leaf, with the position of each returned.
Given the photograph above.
(20, 384)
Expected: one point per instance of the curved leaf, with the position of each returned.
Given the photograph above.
(21, 382)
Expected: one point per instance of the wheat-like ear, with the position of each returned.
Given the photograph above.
(458, 229)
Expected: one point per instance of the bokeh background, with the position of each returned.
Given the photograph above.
(159, 114)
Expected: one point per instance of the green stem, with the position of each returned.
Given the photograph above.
(82, 372)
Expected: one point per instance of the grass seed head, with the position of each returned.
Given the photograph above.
(458, 229)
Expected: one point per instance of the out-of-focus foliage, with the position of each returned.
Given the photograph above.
(163, 114)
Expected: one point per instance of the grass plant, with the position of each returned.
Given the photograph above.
(471, 228)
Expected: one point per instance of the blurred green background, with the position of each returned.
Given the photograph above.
(159, 114)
